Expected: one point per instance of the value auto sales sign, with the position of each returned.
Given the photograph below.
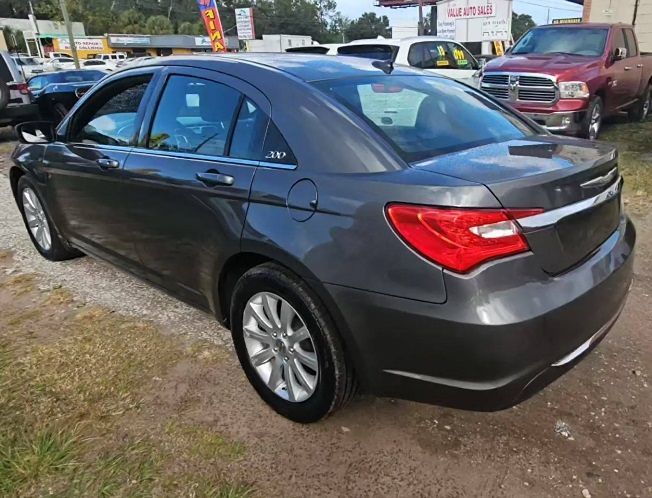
(211, 17)
(470, 9)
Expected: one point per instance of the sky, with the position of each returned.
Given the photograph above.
(538, 9)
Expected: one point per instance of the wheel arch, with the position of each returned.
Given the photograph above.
(14, 175)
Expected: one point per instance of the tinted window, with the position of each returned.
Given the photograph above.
(619, 39)
(562, 40)
(37, 83)
(423, 116)
(276, 149)
(632, 46)
(440, 55)
(378, 52)
(194, 116)
(109, 118)
(308, 50)
(249, 131)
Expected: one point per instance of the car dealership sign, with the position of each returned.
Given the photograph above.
(475, 20)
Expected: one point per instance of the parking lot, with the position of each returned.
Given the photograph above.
(110, 386)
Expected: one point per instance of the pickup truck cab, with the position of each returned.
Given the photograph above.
(568, 78)
(436, 55)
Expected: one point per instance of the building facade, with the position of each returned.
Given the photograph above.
(636, 12)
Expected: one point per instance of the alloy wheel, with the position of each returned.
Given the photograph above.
(36, 219)
(596, 122)
(280, 347)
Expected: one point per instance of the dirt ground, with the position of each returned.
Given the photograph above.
(109, 387)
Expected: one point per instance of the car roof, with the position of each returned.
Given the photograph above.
(307, 67)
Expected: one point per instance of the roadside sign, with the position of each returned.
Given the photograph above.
(244, 19)
(568, 20)
(474, 20)
(211, 17)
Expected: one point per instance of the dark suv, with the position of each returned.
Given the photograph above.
(15, 99)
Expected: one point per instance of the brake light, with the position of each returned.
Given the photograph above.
(23, 88)
(460, 239)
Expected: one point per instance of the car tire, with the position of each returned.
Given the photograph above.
(301, 391)
(592, 123)
(41, 229)
(59, 112)
(641, 111)
(4, 94)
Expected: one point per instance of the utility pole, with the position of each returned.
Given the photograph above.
(71, 37)
(421, 26)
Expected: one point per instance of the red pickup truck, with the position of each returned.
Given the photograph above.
(568, 78)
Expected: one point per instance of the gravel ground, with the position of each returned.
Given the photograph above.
(589, 434)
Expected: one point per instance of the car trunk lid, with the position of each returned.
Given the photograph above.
(575, 183)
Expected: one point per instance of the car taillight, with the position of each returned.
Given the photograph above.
(21, 87)
(460, 239)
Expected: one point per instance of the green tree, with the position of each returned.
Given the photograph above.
(521, 23)
(191, 28)
(131, 21)
(159, 25)
(368, 25)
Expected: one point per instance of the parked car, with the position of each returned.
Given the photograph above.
(448, 251)
(29, 66)
(98, 64)
(15, 100)
(325, 49)
(569, 77)
(59, 63)
(56, 93)
(436, 55)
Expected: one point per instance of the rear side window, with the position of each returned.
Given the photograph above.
(376, 52)
(276, 150)
(440, 55)
(249, 132)
(110, 117)
(194, 116)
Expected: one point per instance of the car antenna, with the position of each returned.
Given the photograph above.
(386, 66)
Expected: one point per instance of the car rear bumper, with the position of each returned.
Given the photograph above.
(559, 122)
(506, 330)
(19, 113)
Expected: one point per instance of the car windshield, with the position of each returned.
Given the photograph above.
(377, 52)
(562, 40)
(424, 116)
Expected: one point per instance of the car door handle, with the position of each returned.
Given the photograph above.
(106, 163)
(639, 66)
(628, 68)
(212, 179)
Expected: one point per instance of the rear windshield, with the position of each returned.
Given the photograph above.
(563, 40)
(308, 50)
(423, 116)
(377, 52)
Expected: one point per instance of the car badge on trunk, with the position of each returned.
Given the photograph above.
(601, 181)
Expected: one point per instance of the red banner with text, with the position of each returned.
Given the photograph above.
(211, 17)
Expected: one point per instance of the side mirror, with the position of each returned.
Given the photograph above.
(620, 53)
(36, 132)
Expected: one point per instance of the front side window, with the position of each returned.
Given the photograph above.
(632, 46)
(561, 40)
(109, 118)
(424, 116)
(194, 116)
(441, 55)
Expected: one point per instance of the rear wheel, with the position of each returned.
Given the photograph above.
(288, 345)
(641, 110)
(39, 225)
(592, 123)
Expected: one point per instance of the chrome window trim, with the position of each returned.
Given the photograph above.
(551, 217)
(205, 157)
(123, 148)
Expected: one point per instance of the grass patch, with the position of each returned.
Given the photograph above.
(634, 141)
(72, 417)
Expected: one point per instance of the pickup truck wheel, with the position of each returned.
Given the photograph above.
(593, 120)
(641, 110)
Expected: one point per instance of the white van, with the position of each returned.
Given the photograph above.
(437, 55)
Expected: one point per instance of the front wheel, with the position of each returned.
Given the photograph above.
(39, 225)
(641, 110)
(288, 345)
(592, 123)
